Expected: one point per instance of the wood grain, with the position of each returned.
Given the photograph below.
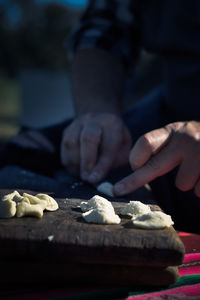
(75, 241)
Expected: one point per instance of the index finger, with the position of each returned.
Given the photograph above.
(160, 164)
(147, 145)
(109, 148)
(70, 153)
(89, 146)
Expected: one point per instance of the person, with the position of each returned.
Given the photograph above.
(160, 135)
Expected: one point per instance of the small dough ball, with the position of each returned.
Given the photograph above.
(51, 202)
(101, 216)
(96, 202)
(152, 220)
(135, 208)
(7, 209)
(106, 188)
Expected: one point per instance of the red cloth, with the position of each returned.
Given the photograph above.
(189, 270)
(191, 242)
(183, 291)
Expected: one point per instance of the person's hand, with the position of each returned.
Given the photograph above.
(160, 151)
(95, 143)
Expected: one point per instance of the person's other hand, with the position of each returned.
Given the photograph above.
(95, 143)
(159, 151)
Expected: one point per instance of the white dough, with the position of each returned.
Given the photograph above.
(135, 208)
(52, 204)
(84, 206)
(14, 196)
(106, 188)
(14, 204)
(7, 209)
(101, 216)
(96, 202)
(152, 220)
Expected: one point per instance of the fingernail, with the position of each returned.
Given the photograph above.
(94, 177)
(119, 188)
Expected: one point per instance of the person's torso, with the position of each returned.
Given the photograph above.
(171, 28)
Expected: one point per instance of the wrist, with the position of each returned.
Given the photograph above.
(97, 106)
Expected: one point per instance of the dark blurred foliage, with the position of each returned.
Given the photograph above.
(37, 39)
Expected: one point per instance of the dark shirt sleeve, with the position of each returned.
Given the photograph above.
(108, 25)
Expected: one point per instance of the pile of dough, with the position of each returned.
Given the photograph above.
(99, 210)
(135, 208)
(152, 220)
(96, 202)
(106, 188)
(101, 216)
(27, 205)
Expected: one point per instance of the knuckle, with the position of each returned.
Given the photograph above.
(188, 133)
(70, 141)
(173, 127)
(145, 143)
(88, 137)
(91, 134)
(154, 164)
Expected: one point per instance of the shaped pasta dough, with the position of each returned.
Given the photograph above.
(152, 220)
(101, 216)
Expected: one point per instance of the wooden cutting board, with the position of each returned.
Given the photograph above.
(62, 239)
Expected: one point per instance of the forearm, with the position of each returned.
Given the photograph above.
(97, 82)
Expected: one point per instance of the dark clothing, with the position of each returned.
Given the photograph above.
(168, 28)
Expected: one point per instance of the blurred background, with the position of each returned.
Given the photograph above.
(34, 69)
(34, 80)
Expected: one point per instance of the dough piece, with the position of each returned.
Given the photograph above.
(106, 188)
(96, 202)
(152, 220)
(51, 202)
(7, 209)
(135, 208)
(101, 216)
(84, 206)
(26, 209)
(14, 196)
(27, 204)
(35, 200)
